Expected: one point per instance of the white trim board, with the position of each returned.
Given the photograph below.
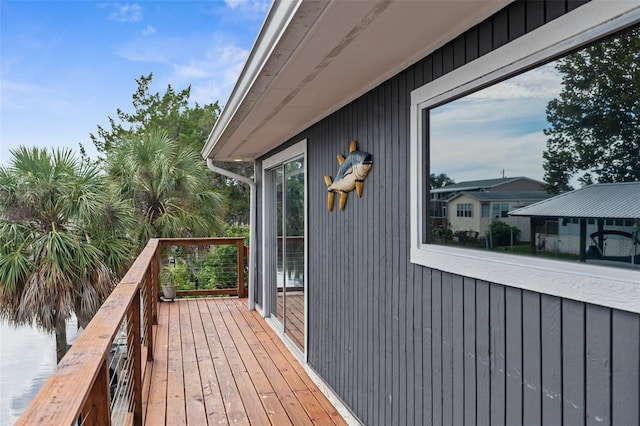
(333, 398)
(611, 287)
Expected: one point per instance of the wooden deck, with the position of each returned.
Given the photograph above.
(216, 362)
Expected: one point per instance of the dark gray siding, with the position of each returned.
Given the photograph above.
(403, 344)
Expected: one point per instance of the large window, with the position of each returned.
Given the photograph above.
(503, 128)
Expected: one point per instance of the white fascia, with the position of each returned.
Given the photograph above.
(272, 30)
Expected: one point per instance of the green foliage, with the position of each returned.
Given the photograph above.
(219, 267)
(231, 230)
(501, 233)
(167, 185)
(236, 193)
(594, 122)
(187, 125)
(177, 273)
(214, 268)
(64, 238)
(438, 181)
(291, 181)
(441, 233)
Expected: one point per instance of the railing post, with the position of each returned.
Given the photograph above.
(155, 283)
(96, 410)
(134, 343)
(147, 293)
(240, 246)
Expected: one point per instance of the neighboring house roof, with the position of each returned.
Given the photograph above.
(481, 184)
(503, 195)
(313, 57)
(599, 201)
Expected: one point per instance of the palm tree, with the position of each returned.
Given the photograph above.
(169, 185)
(63, 240)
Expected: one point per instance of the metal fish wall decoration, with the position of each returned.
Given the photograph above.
(351, 174)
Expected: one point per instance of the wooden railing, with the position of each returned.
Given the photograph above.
(104, 379)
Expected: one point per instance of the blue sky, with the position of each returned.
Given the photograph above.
(66, 66)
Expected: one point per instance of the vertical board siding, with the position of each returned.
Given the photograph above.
(498, 351)
(458, 362)
(404, 344)
(551, 348)
(469, 318)
(625, 367)
(436, 346)
(598, 365)
(483, 354)
(513, 345)
(531, 359)
(447, 348)
(573, 362)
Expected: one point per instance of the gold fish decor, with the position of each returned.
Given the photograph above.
(351, 174)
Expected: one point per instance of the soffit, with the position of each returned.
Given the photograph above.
(326, 55)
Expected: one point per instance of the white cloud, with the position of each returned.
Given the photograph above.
(543, 82)
(126, 12)
(212, 77)
(485, 156)
(150, 50)
(148, 30)
(495, 129)
(257, 6)
(211, 72)
(23, 96)
(13, 95)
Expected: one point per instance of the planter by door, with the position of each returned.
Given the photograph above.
(169, 291)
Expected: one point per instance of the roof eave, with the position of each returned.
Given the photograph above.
(271, 32)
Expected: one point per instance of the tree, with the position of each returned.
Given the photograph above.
(503, 234)
(595, 121)
(168, 186)
(170, 111)
(186, 125)
(438, 181)
(236, 193)
(63, 240)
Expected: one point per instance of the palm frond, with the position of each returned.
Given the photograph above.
(15, 268)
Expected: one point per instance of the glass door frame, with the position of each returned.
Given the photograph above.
(269, 252)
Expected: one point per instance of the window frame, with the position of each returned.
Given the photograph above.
(464, 210)
(485, 210)
(500, 209)
(613, 287)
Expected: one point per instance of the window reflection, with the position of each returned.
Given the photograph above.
(502, 156)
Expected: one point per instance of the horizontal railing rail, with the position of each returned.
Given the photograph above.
(102, 379)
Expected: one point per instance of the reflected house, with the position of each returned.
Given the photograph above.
(439, 197)
(600, 223)
(471, 212)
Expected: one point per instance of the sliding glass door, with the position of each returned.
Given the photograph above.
(285, 238)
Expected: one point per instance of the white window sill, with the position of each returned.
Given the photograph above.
(609, 286)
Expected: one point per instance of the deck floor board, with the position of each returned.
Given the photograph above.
(176, 410)
(216, 362)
